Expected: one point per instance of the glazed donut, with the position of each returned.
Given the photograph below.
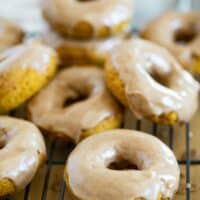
(24, 69)
(148, 80)
(122, 164)
(10, 34)
(88, 19)
(73, 52)
(180, 33)
(22, 152)
(78, 105)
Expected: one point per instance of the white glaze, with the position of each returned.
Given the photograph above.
(90, 178)
(31, 54)
(162, 30)
(24, 148)
(72, 120)
(134, 60)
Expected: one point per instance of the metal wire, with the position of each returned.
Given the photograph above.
(26, 193)
(138, 125)
(49, 165)
(62, 190)
(171, 137)
(187, 143)
(154, 129)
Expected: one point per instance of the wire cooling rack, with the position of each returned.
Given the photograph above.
(51, 162)
(138, 126)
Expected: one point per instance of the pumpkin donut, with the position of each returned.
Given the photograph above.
(88, 19)
(78, 105)
(10, 34)
(22, 151)
(24, 69)
(148, 80)
(180, 33)
(84, 52)
(122, 164)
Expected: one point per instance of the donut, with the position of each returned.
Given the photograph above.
(22, 152)
(10, 34)
(147, 79)
(122, 164)
(180, 33)
(24, 69)
(84, 52)
(88, 19)
(79, 105)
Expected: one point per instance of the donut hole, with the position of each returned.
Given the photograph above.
(73, 99)
(184, 36)
(122, 164)
(2, 138)
(159, 79)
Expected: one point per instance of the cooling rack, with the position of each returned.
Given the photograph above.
(51, 161)
(138, 126)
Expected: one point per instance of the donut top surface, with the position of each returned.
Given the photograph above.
(93, 103)
(31, 54)
(97, 13)
(22, 149)
(90, 175)
(179, 32)
(154, 82)
(10, 33)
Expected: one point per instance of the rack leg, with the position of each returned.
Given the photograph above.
(188, 161)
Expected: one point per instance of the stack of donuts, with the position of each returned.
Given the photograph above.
(83, 31)
(84, 104)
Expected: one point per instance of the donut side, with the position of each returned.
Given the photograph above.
(107, 124)
(84, 30)
(29, 82)
(88, 20)
(19, 83)
(7, 186)
(80, 56)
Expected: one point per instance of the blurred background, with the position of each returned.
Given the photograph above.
(27, 12)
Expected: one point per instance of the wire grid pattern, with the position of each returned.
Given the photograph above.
(52, 162)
